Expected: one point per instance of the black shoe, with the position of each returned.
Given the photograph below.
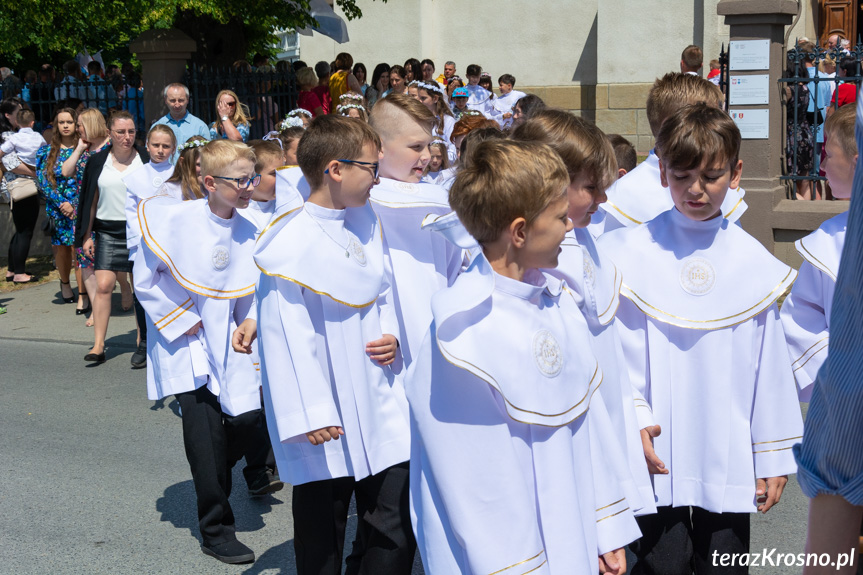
(71, 298)
(265, 484)
(139, 358)
(84, 311)
(232, 552)
(95, 357)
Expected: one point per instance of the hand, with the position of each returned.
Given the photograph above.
(383, 350)
(194, 329)
(244, 335)
(223, 109)
(321, 436)
(654, 464)
(613, 562)
(67, 210)
(507, 115)
(82, 145)
(769, 491)
(89, 248)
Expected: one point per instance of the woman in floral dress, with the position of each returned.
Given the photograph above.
(93, 138)
(61, 197)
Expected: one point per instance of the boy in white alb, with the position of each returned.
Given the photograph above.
(509, 438)
(705, 349)
(195, 276)
(806, 311)
(639, 196)
(594, 279)
(269, 158)
(422, 262)
(480, 99)
(336, 412)
(504, 103)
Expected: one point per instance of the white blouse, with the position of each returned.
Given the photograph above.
(111, 206)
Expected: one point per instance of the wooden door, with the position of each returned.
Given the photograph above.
(838, 17)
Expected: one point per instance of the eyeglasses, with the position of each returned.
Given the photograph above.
(231, 104)
(244, 182)
(376, 166)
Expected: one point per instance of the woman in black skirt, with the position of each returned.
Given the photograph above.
(102, 210)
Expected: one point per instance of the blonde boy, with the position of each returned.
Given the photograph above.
(496, 485)
(268, 158)
(195, 277)
(806, 312)
(705, 349)
(327, 340)
(422, 262)
(639, 196)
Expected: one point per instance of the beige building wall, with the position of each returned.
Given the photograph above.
(597, 58)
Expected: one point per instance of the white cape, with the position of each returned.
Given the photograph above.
(510, 434)
(806, 311)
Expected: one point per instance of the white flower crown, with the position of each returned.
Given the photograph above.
(343, 109)
(350, 98)
(297, 112)
(192, 144)
(433, 86)
(290, 122)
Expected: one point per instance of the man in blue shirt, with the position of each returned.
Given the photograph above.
(184, 124)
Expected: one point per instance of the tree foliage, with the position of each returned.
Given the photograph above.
(224, 29)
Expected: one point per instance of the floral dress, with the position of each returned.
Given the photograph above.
(66, 190)
(84, 261)
(215, 134)
(799, 138)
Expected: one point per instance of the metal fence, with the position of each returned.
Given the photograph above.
(268, 95)
(806, 107)
(810, 96)
(45, 98)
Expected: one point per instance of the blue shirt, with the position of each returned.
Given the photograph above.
(830, 458)
(824, 92)
(184, 128)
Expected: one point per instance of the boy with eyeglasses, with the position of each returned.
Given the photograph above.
(195, 276)
(328, 338)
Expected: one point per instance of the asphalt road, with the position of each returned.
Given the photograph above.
(95, 480)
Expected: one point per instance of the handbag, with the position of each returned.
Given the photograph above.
(49, 226)
(21, 188)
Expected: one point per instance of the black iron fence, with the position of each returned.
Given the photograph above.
(266, 94)
(45, 98)
(811, 89)
(812, 94)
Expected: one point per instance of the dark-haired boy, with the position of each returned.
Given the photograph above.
(503, 104)
(705, 348)
(639, 196)
(336, 413)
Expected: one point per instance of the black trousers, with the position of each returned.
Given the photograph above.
(140, 317)
(214, 443)
(384, 541)
(24, 215)
(681, 541)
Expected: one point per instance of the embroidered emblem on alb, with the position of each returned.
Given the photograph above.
(221, 258)
(408, 187)
(589, 270)
(697, 276)
(547, 354)
(157, 182)
(355, 249)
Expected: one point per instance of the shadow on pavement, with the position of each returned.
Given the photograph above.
(280, 557)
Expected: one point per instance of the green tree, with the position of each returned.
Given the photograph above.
(225, 30)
